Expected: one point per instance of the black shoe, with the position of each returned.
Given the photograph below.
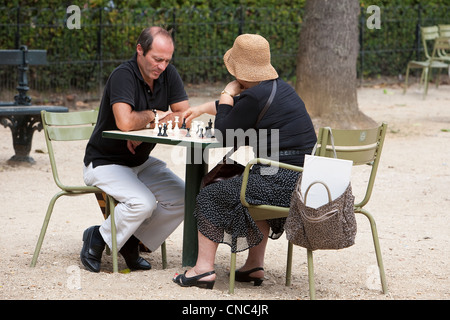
(93, 246)
(184, 281)
(244, 276)
(130, 252)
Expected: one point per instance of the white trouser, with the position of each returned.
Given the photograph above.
(150, 196)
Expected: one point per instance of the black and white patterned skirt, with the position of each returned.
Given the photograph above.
(223, 219)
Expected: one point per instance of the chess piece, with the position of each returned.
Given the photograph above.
(169, 126)
(188, 134)
(201, 133)
(183, 125)
(159, 133)
(208, 133)
(176, 129)
(155, 130)
(165, 130)
(211, 132)
(195, 126)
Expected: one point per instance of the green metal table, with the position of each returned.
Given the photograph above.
(196, 167)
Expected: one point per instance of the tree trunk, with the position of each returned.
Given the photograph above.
(326, 65)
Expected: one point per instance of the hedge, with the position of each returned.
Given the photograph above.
(203, 31)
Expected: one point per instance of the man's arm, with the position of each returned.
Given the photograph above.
(177, 110)
(127, 119)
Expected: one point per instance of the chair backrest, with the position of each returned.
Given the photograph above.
(428, 34)
(361, 146)
(441, 46)
(444, 30)
(68, 126)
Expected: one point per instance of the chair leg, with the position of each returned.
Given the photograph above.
(289, 265)
(427, 80)
(422, 77)
(312, 287)
(406, 79)
(377, 249)
(232, 272)
(110, 208)
(44, 227)
(164, 255)
(438, 78)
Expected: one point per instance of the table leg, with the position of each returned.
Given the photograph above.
(22, 129)
(196, 167)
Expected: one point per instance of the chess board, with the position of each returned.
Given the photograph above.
(171, 137)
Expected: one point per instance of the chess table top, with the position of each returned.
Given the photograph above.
(172, 138)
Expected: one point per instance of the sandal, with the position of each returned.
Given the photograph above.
(244, 276)
(194, 281)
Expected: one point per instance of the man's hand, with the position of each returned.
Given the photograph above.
(132, 145)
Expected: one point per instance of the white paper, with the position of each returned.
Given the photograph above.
(335, 173)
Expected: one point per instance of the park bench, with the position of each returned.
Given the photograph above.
(21, 116)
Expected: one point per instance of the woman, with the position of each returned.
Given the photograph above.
(220, 216)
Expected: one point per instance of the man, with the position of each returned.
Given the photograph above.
(150, 196)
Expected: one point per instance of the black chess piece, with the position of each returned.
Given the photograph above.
(188, 134)
(183, 125)
(165, 130)
(159, 133)
(208, 130)
(201, 133)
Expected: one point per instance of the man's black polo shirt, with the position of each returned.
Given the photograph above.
(125, 84)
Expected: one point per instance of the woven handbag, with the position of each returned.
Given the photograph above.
(331, 226)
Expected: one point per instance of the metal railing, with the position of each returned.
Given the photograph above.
(82, 59)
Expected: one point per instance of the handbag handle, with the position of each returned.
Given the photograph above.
(332, 143)
(320, 182)
(326, 215)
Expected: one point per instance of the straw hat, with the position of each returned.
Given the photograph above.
(249, 59)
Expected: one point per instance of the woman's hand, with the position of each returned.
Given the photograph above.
(234, 88)
(190, 114)
(195, 112)
(231, 90)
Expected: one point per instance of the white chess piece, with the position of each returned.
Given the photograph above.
(169, 126)
(176, 129)
(156, 129)
(195, 126)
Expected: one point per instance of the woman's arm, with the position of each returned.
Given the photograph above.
(194, 112)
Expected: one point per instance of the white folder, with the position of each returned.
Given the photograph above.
(335, 173)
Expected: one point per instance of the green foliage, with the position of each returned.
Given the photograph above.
(203, 32)
(386, 51)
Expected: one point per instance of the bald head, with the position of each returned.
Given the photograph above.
(149, 34)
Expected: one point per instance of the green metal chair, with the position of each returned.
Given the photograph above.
(261, 212)
(431, 62)
(444, 30)
(443, 51)
(360, 146)
(71, 126)
(75, 126)
(102, 199)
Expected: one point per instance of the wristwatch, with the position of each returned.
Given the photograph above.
(147, 126)
(226, 92)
